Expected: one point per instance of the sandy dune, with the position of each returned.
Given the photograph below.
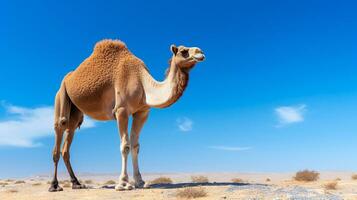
(254, 186)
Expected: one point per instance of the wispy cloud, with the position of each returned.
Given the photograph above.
(184, 124)
(26, 125)
(230, 148)
(290, 114)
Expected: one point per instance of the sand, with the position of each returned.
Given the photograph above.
(254, 186)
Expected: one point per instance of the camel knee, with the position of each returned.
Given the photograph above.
(125, 149)
(56, 156)
(120, 113)
(61, 123)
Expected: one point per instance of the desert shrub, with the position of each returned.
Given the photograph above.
(36, 184)
(337, 179)
(12, 191)
(67, 185)
(110, 182)
(267, 180)
(3, 184)
(199, 179)
(331, 185)
(307, 176)
(161, 180)
(88, 182)
(191, 193)
(354, 177)
(19, 182)
(237, 180)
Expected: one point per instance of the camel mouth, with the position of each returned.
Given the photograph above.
(199, 57)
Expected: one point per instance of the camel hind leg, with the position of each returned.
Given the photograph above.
(75, 121)
(62, 115)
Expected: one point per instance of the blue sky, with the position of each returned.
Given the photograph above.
(278, 91)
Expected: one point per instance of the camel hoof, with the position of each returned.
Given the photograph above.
(139, 184)
(123, 186)
(78, 186)
(55, 188)
(129, 187)
(147, 185)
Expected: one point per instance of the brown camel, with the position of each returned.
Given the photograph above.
(112, 84)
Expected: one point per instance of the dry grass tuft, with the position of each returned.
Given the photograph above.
(19, 182)
(337, 179)
(9, 180)
(36, 184)
(12, 191)
(237, 180)
(354, 177)
(3, 184)
(161, 180)
(88, 182)
(67, 185)
(268, 180)
(110, 182)
(307, 176)
(191, 193)
(331, 185)
(199, 179)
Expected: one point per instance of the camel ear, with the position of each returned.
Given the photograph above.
(174, 49)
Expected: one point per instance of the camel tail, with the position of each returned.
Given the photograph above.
(80, 123)
(62, 107)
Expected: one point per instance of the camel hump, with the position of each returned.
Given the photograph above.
(109, 45)
(67, 76)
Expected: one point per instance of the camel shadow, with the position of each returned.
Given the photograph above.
(183, 185)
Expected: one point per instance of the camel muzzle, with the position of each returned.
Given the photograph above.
(199, 57)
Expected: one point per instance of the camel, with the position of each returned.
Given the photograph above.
(113, 84)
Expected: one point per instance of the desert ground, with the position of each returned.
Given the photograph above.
(219, 186)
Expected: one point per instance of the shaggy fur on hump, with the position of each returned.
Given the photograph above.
(107, 50)
(107, 44)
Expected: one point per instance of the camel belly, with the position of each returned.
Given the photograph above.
(97, 104)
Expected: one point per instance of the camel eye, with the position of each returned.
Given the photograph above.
(184, 53)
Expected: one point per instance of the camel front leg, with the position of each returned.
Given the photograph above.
(139, 120)
(122, 120)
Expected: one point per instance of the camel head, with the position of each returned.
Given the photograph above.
(186, 57)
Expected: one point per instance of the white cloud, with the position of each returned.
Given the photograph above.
(184, 124)
(227, 148)
(290, 114)
(26, 125)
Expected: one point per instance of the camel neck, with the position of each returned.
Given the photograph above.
(165, 93)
